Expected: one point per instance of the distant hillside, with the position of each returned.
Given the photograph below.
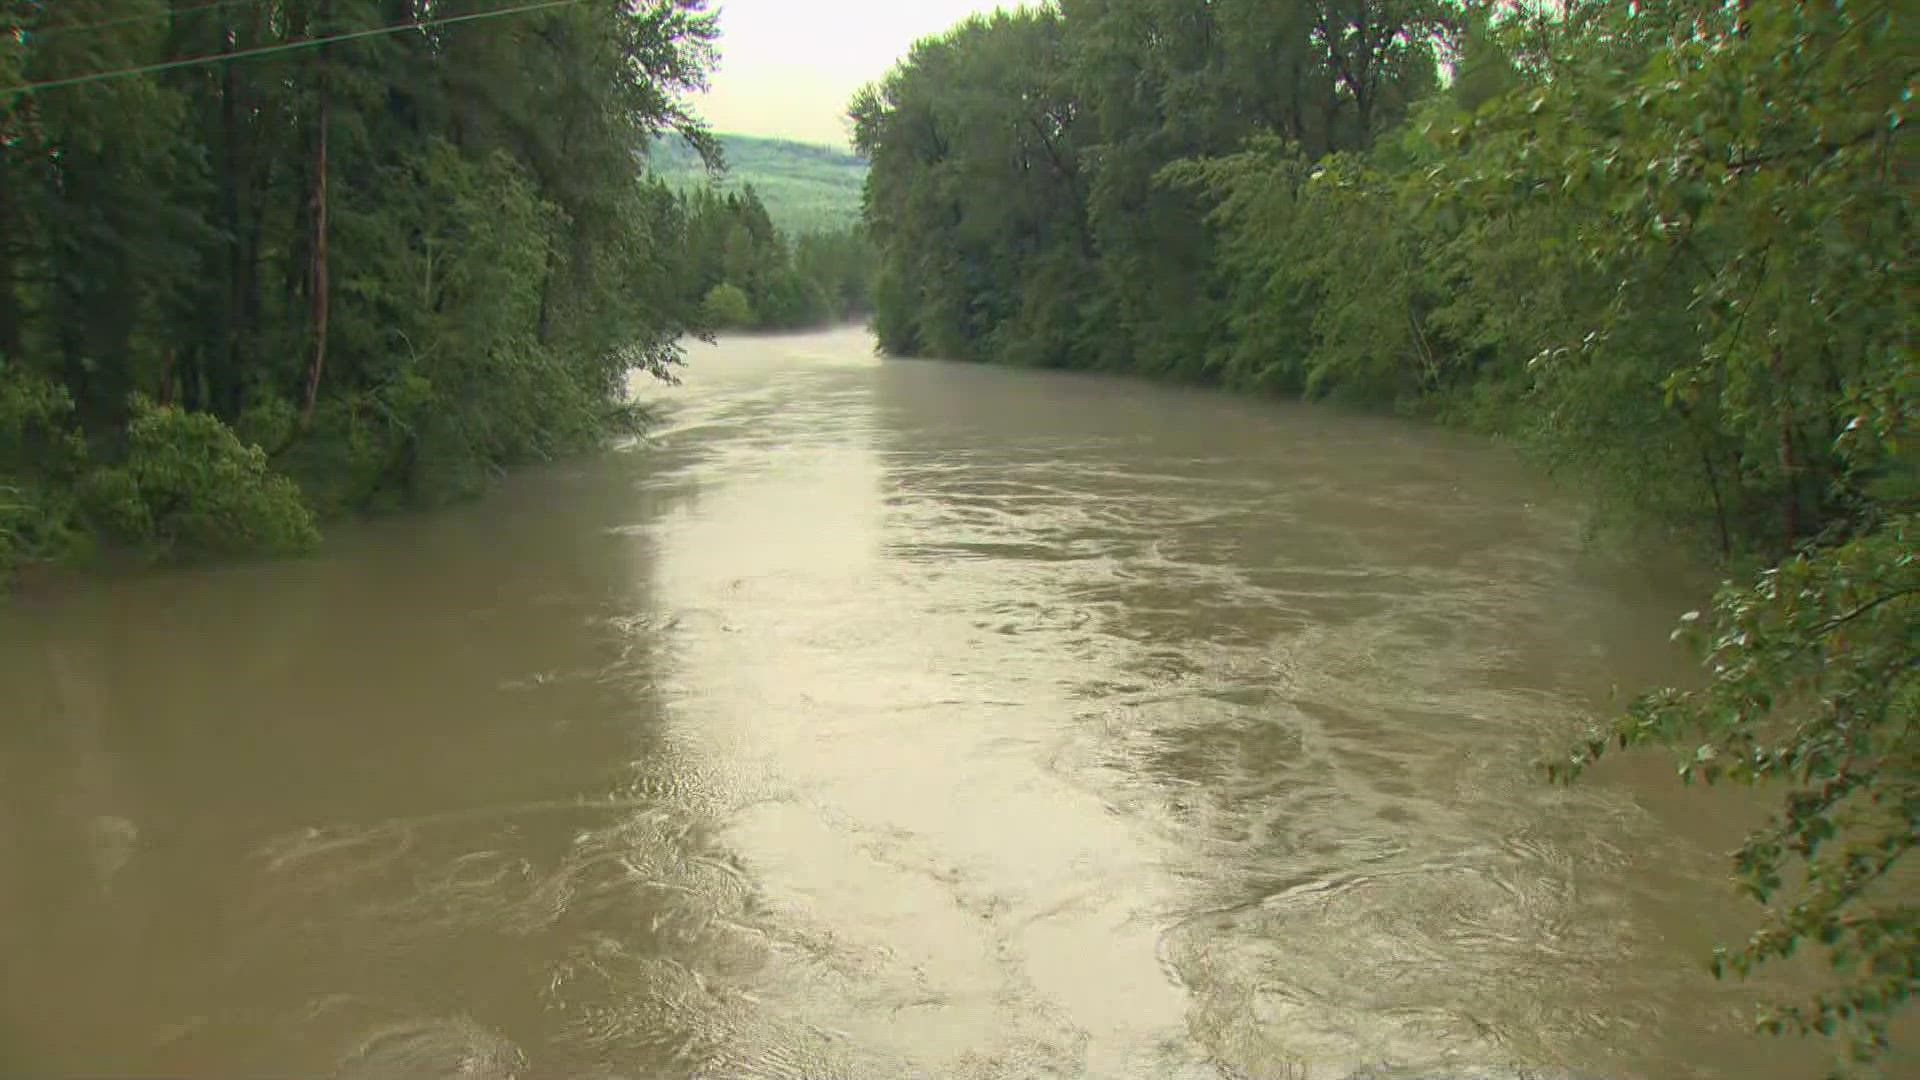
(805, 188)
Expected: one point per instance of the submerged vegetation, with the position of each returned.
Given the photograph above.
(1666, 246)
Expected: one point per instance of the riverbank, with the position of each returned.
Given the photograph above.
(193, 491)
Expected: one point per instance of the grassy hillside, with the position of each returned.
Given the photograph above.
(805, 188)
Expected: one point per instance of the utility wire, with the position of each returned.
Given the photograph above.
(287, 46)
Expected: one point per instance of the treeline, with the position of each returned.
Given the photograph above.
(749, 275)
(383, 250)
(806, 188)
(1667, 245)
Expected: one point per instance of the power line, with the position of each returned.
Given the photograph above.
(286, 46)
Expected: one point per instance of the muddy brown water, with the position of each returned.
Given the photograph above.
(878, 719)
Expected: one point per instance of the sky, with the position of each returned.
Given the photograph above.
(789, 67)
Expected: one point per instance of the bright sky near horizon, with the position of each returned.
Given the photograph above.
(789, 67)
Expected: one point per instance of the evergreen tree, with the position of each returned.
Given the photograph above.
(395, 245)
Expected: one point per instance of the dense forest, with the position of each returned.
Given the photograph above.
(805, 188)
(266, 261)
(770, 232)
(751, 275)
(1667, 246)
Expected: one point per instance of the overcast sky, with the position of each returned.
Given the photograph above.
(788, 67)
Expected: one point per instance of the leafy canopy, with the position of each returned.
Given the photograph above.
(1667, 247)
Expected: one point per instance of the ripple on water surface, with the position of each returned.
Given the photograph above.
(873, 720)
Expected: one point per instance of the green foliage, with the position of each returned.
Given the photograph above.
(727, 308)
(841, 266)
(732, 245)
(975, 195)
(1798, 367)
(12, 511)
(1018, 188)
(1668, 248)
(489, 268)
(790, 300)
(1815, 689)
(806, 188)
(189, 486)
(35, 415)
(40, 456)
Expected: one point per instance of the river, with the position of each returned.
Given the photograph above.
(877, 719)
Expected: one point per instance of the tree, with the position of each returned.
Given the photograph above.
(727, 308)
(1667, 247)
(399, 246)
(731, 245)
(1019, 190)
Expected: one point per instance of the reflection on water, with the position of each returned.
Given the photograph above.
(895, 719)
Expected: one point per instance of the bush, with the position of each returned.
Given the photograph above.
(190, 487)
(352, 458)
(727, 308)
(270, 421)
(36, 436)
(37, 524)
(39, 457)
(9, 543)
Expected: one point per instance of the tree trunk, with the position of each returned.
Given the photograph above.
(225, 349)
(9, 305)
(1789, 462)
(1719, 501)
(1295, 108)
(544, 332)
(319, 293)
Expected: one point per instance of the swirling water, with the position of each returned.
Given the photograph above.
(877, 719)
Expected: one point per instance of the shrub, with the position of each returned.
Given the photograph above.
(39, 456)
(727, 308)
(190, 487)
